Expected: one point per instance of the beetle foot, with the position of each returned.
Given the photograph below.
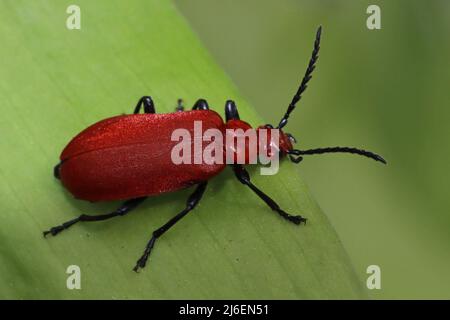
(54, 231)
(297, 219)
(140, 264)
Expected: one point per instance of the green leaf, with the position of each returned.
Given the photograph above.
(53, 83)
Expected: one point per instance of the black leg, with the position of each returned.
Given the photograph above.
(192, 201)
(180, 106)
(244, 178)
(231, 111)
(201, 104)
(56, 170)
(147, 102)
(126, 207)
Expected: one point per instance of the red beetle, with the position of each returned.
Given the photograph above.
(128, 157)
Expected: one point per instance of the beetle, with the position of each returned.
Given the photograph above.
(127, 157)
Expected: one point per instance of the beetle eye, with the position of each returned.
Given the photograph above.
(291, 138)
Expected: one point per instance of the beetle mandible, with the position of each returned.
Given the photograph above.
(127, 157)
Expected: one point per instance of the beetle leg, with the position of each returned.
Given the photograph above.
(191, 203)
(56, 170)
(201, 104)
(231, 111)
(180, 106)
(126, 207)
(243, 176)
(148, 104)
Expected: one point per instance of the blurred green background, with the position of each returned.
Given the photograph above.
(54, 82)
(385, 90)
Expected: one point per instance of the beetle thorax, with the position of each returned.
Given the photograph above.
(244, 144)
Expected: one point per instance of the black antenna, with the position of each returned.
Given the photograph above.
(365, 153)
(305, 80)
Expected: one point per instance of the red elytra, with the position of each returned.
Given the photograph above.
(129, 157)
